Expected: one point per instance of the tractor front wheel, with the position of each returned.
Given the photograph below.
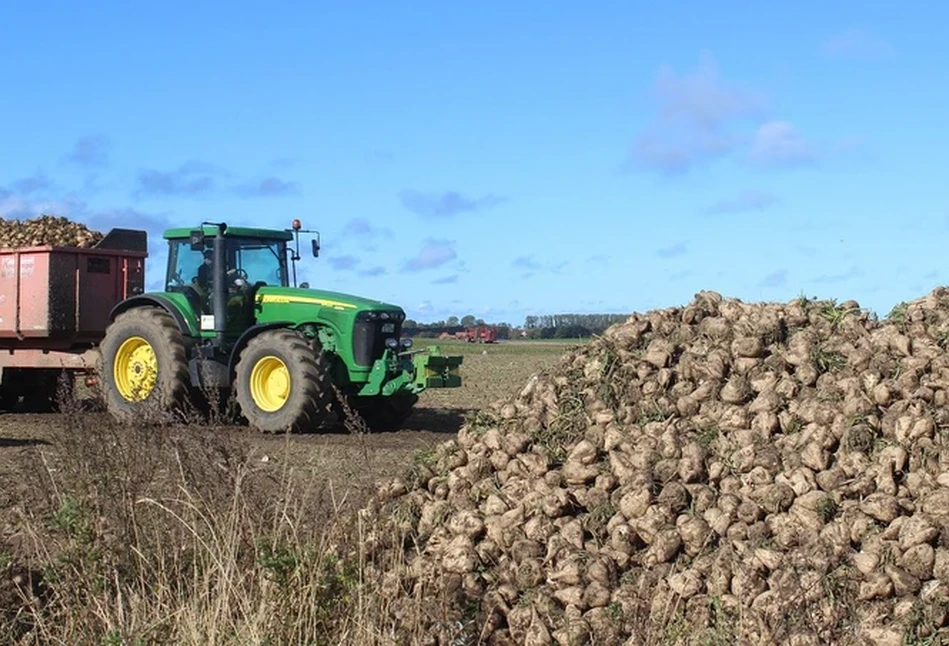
(282, 383)
(144, 368)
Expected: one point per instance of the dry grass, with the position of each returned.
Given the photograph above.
(146, 534)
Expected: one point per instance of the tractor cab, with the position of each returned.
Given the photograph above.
(252, 258)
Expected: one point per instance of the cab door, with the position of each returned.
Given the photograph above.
(239, 306)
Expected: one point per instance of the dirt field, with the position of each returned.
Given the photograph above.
(348, 465)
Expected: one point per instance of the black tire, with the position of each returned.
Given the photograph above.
(161, 402)
(304, 403)
(8, 399)
(383, 414)
(45, 389)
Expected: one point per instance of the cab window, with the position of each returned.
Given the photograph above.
(184, 264)
(264, 261)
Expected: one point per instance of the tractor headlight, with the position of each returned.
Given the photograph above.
(392, 343)
(406, 343)
(372, 315)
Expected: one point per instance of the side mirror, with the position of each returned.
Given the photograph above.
(197, 240)
(315, 244)
(304, 285)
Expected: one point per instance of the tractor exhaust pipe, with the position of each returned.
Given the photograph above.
(219, 286)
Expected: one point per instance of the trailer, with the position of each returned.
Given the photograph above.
(54, 310)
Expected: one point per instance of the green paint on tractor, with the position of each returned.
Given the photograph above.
(241, 325)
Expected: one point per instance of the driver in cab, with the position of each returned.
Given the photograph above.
(205, 280)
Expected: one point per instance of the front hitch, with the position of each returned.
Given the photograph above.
(433, 370)
(412, 371)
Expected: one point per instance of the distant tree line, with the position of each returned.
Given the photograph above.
(546, 326)
(436, 329)
(596, 322)
(451, 321)
(567, 326)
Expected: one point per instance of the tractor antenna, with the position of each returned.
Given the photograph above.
(297, 225)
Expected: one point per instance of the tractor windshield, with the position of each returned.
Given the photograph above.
(259, 260)
(264, 261)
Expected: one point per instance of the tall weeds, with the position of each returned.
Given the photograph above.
(182, 534)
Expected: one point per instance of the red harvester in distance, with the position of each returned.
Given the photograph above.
(481, 334)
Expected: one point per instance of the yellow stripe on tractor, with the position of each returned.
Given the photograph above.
(308, 300)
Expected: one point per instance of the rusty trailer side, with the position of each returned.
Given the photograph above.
(55, 304)
(63, 295)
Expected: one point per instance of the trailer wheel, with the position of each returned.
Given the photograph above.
(144, 367)
(282, 383)
(9, 398)
(45, 389)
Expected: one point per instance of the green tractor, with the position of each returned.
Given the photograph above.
(229, 323)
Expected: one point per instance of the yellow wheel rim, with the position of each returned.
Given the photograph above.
(135, 369)
(270, 384)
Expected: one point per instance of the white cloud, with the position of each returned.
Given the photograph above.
(695, 123)
(778, 143)
(434, 253)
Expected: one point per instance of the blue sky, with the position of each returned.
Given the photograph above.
(502, 160)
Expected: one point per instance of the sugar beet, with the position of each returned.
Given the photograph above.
(770, 472)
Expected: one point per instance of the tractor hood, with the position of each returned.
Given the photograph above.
(332, 300)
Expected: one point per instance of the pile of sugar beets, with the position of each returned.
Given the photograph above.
(719, 473)
(46, 230)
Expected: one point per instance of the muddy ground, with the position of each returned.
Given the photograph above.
(346, 466)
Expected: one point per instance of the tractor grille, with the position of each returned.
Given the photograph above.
(370, 333)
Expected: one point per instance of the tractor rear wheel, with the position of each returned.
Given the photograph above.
(144, 367)
(283, 383)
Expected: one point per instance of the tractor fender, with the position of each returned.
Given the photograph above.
(245, 338)
(152, 301)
